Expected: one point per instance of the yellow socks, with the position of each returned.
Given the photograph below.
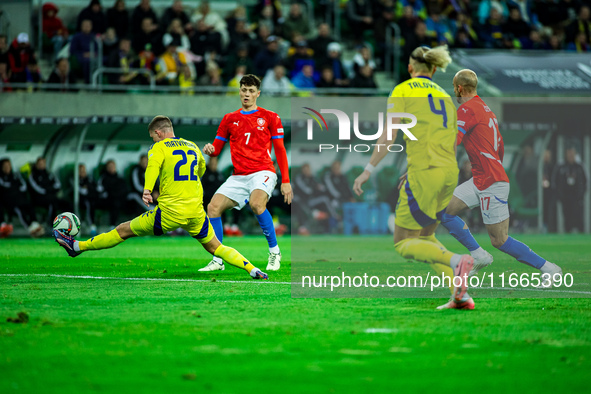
(428, 250)
(101, 241)
(423, 250)
(431, 238)
(440, 268)
(231, 256)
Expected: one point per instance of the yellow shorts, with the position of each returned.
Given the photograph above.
(156, 222)
(424, 197)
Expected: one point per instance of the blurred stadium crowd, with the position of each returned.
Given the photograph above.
(187, 47)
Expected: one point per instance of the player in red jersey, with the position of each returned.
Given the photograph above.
(250, 131)
(478, 129)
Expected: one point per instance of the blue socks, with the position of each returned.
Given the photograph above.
(218, 228)
(518, 250)
(266, 222)
(455, 225)
(522, 253)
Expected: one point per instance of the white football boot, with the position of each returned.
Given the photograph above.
(213, 266)
(552, 269)
(274, 261)
(481, 260)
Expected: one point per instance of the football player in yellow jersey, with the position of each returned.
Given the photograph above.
(432, 173)
(180, 165)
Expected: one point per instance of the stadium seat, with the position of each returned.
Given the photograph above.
(365, 218)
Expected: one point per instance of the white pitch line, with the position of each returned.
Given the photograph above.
(140, 279)
(249, 282)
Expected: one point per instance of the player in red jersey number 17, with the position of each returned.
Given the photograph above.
(252, 132)
(478, 130)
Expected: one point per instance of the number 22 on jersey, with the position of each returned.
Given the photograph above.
(181, 163)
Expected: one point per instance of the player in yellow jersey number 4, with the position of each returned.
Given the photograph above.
(180, 165)
(432, 173)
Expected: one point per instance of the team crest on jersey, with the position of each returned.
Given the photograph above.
(261, 121)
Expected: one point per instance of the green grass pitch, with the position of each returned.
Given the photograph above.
(235, 335)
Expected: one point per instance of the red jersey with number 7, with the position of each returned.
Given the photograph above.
(250, 135)
(478, 128)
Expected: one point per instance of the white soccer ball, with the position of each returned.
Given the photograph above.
(67, 223)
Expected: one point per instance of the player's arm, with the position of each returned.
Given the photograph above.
(155, 160)
(460, 136)
(466, 122)
(201, 164)
(281, 156)
(222, 136)
(379, 152)
(215, 149)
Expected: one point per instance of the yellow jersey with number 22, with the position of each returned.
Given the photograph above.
(180, 165)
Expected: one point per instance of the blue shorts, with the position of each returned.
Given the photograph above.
(157, 222)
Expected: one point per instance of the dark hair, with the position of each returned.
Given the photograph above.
(160, 122)
(250, 80)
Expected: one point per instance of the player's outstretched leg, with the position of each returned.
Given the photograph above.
(427, 249)
(101, 241)
(460, 231)
(501, 240)
(233, 257)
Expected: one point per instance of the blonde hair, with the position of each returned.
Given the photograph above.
(424, 58)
